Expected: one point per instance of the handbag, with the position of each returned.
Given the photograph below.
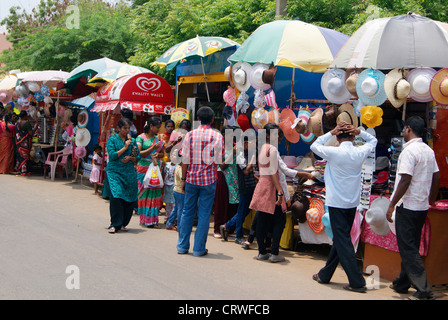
(153, 178)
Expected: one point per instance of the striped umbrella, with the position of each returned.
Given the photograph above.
(291, 43)
(114, 72)
(405, 41)
(193, 48)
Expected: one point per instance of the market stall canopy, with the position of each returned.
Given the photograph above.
(291, 43)
(405, 41)
(115, 72)
(193, 48)
(145, 92)
(76, 81)
(50, 78)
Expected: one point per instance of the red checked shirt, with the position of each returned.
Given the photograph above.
(202, 149)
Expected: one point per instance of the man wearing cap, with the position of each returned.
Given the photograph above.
(415, 189)
(343, 189)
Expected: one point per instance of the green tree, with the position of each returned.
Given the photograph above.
(51, 43)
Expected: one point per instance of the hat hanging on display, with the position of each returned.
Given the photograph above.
(240, 75)
(307, 136)
(329, 117)
(80, 152)
(371, 116)
(315, 122)
(5, 96)
(439, 87)
(228, 75)
(270, 99)
(370, 87)
(243, 122)
(351, 77)
(229, 96)
(259, 100)
(420, 81)
(333, 86)
(376, 216)
(269, 75)
(287, 117)
(274, 116)
(346, 113)
(259, 118)
(290, 161)
(83, 119)
(314, 215)
(242, 103)
(83, 137)
(228, 114)
(299, 209)
(256, 76)
(397, 87)
(357, 105)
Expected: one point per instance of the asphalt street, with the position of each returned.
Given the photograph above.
(54, 246)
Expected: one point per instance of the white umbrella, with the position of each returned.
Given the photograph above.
(50, 78)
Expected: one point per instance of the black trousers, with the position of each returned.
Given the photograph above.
(267, 222)
(120, 212)
(408, 226)
(342, 251)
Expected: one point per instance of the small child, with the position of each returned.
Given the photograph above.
(179, 196)
(97, 161)
(168, 197)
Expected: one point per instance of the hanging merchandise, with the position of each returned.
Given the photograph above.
(420, 80)
(256, 76)
(333, 86)
(439, 87)
(259, 99)
(270, 99)
(240, 75)
(371, 116)
(39, 97)
(83, 119)
(45, 90)
(370, 87)
(33, 87)
(242, 103)
(397, 87)
(229, 96)
(259, 118)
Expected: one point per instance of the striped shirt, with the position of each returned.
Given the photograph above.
(202, 149)
(418, 160)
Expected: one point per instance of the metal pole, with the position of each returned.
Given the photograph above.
(205, 80)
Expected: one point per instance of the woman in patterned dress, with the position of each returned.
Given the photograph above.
(149, 200)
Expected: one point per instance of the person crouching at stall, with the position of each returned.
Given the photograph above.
(123, 155)
(342, 182)
(151, 149)
(268, 198)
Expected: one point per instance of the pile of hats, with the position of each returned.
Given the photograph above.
(381, 184)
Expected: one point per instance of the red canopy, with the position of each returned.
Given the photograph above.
(145, 92)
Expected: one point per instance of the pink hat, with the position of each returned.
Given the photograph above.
(290, 161)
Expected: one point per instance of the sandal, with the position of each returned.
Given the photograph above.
(111, 230)
(124, 229)
(316, 278)
(358, 290)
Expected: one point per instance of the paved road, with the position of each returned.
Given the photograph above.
(53, 237)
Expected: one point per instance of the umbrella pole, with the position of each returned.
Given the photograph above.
(293, 96)
(205, 80)
(56, 133)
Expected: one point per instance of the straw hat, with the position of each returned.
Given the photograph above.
(228, 75)
(287, 117)
(315, 122)
(256, 76)
(370, 87)
(314, 215)
(240, 75)
(351, 76)
(83, 119)
(439, 87)
(305, 165)
(82, 137)
(346, 113)
(333, 86)
(420, 81)
(376, 216)
(371, 116)
(269, 75)
(397, 87)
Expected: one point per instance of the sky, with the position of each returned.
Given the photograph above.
(28, 5)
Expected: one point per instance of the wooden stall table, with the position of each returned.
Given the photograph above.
(436, 260)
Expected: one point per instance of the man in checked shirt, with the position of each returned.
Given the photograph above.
(202, 149)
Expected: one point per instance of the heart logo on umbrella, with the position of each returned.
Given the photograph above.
(148, 85)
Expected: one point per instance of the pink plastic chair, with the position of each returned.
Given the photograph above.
(55, 160)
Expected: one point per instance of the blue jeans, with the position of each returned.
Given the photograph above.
(177, 210)
(243, 210)
(205, 196)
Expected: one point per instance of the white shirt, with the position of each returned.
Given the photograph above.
(343, 169)
(282, 171)
(418, 160)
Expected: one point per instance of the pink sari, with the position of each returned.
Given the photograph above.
(6, 147)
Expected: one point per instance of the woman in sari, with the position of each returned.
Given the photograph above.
(7, 131)
(24, 132)
(149, 200)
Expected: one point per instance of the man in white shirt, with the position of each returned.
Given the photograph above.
(415, 189)
(342, 182)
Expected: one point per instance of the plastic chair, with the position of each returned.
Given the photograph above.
(63, 163)
(55, 159)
